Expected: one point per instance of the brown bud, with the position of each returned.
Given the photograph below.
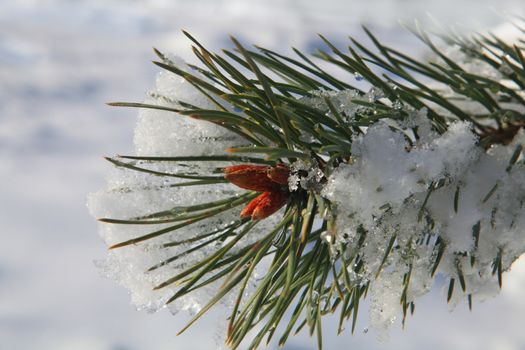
(260, 178)
(249, 209)
(502, 135)
(279, 174)
(269, 204)
(250, 177)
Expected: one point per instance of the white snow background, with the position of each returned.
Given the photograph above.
(61, 60)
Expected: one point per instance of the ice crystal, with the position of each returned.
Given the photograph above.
(440, 186)
(305, 175)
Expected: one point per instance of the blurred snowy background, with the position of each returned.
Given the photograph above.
(60, 60)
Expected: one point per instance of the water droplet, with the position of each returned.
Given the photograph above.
(315, 298)
(393, 86)
(324, 302)
(397, 105)
(505, 69)
(307, 138)
(358, 76)
(327, 236)
(279, 239)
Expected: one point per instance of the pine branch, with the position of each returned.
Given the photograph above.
(288, 113)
